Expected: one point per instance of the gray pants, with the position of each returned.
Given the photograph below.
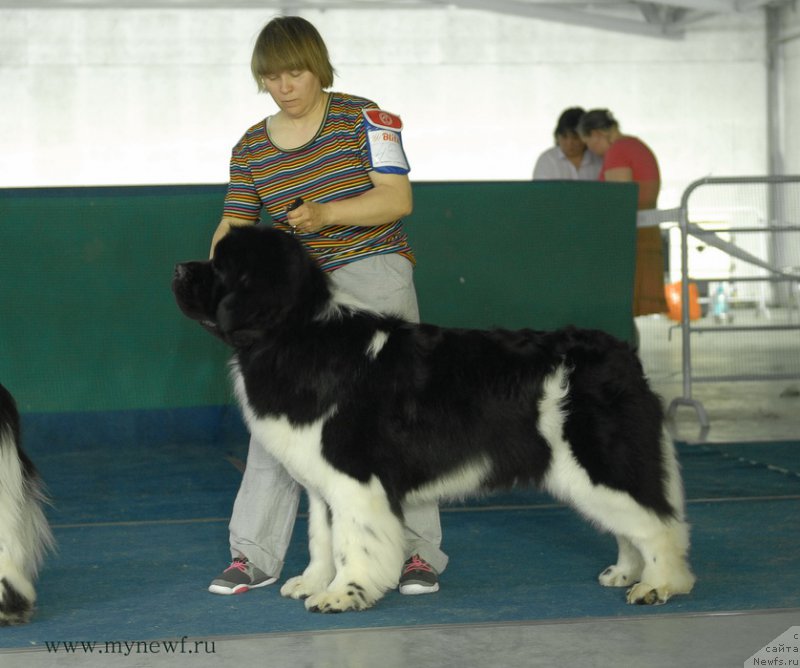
(266, 505)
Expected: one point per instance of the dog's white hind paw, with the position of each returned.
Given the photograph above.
(614, 576)
(351, 597)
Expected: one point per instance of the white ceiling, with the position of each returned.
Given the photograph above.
(655, 19)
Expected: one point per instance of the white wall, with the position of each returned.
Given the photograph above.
(157, 96)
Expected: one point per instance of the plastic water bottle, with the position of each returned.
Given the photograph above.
(720, 304)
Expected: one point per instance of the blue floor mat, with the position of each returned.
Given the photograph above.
(142, 528)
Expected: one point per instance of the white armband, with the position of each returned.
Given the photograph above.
(384, 142)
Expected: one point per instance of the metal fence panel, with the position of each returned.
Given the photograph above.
(739, 243)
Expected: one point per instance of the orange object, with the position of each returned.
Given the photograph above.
(673, 294)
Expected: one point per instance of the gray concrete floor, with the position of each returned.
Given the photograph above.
(739, 412)
(669, 641)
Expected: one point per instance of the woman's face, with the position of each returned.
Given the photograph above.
(296, 92)
(597, 142)
(571, 145)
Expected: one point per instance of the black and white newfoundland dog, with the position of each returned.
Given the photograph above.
(371, 414)
(24, 532)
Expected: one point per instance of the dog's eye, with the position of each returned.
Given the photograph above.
(245, 280)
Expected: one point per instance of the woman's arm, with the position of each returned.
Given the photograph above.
(624, 174)
(648, 190)
(389, 199)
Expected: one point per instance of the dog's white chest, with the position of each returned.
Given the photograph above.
(298, 448)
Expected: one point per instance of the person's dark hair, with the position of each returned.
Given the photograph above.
(596, 119)
(568, 121)
(289, 43)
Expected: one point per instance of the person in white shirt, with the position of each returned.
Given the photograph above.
(569, 159)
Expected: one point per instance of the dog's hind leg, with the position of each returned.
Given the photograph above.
(662, 541)
(666, 570)
(320, 570)
(367, 547)
(665, 546)
(653, 564)
(653, 550)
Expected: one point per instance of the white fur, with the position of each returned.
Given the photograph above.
(377, 343)
(454, 486)
(24, 532)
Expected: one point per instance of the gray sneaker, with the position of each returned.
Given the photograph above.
(239, 577)
(418, 577)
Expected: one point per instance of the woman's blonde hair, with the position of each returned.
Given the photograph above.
(289, 43)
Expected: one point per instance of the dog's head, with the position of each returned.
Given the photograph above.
(259, 280)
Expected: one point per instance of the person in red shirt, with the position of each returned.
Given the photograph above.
(629, 159)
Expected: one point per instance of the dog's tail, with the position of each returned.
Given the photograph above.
(25, 535)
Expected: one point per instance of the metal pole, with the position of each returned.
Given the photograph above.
(686, 346)
(775, 214)
(773, 48)
(685, 321)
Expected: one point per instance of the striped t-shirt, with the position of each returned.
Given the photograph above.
(334, 165)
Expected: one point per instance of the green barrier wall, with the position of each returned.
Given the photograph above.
(525, 254)
(88, 323)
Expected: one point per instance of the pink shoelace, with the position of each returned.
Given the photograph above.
(417, 564)
(239, 565)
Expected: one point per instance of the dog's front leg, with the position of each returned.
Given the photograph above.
(320, 570)
(368, 548)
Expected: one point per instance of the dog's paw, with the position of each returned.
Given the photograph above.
(302, 587)
(352, 597)
(644, 594)
(614, 576)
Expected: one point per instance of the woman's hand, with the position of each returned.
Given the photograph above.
(389, 199)
(308, 217)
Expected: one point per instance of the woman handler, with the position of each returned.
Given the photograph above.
(343, 158)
